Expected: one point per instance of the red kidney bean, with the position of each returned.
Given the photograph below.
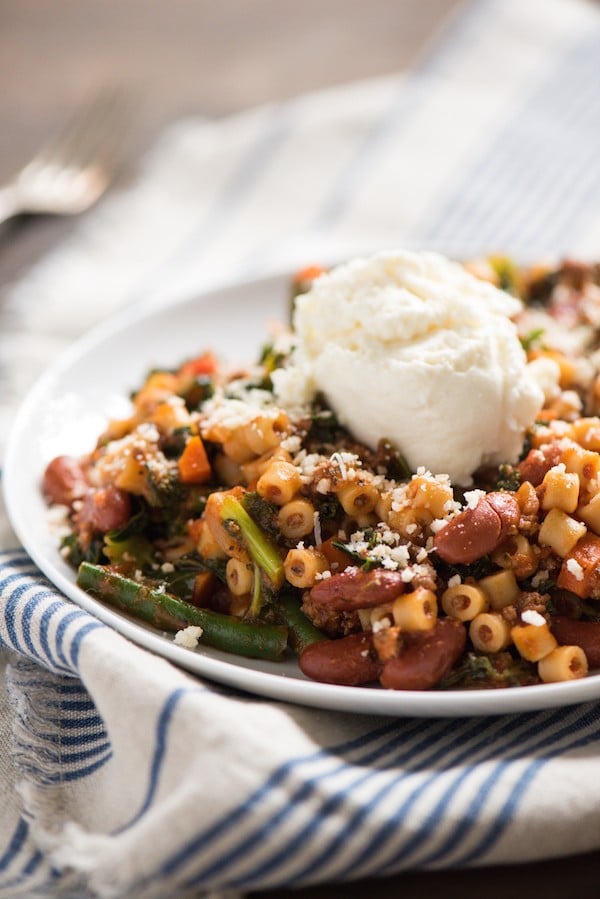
(575, 632)
(538, 462)
(476, 532)
(506, 506)
(64, 480)
(104, 509)
(349, 661)
(356, 589)
(426, 657)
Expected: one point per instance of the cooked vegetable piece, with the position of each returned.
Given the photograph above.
(262, 551)
(193, 464)
(580, 571)
(260, 641)
(302, 632)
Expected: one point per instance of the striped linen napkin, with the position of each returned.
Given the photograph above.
(120, 775)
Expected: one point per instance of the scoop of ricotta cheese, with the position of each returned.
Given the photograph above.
(411, 347)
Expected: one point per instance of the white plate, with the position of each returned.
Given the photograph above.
(65, 412)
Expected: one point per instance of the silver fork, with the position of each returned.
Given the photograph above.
(71, 172)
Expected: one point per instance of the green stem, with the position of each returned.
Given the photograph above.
(256, 603)
(302, 632)
(263, 552)
(167, 612)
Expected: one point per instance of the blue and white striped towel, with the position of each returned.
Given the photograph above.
(123, 776)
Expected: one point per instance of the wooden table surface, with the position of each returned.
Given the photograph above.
(202, 58)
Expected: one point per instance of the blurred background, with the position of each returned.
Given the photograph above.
(181, 58)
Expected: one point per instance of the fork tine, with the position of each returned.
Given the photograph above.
(74, 169)
(92, 135)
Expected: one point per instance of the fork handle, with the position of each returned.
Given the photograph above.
(9, 202)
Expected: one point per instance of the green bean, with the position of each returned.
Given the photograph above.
(167, 612)
(302, 631)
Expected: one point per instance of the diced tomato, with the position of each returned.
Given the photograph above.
(206, 364)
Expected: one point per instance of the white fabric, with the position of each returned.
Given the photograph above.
(121, 775)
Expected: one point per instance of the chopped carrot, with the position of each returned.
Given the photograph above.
(194, 467)
(310, 273)
(337, 558)
(583, 577)
(194, 528)
(547, 415)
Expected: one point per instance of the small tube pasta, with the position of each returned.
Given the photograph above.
(590, 513)
(500, 588)
(382, 615)
(489, 632)
(170, 414)
(584, 463)
(561, 532)
(428, 493)
(239, 576)
(296, 519)
(302, 566)
(408, 521)
(416, 611)
(586, 432)
(364, 616)
(206, 544)
(560, 489)
(517, 554)
(265, 433)
(383, 506)
(464, 601)
(533, 641)
(358, 499)
(563, 663)
(236, 447)
(279, 483)
(133, 476)
(253, 469)
(227, 471)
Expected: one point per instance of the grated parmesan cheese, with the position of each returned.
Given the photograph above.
(575, 569)
(188, 637)
(530, 616)
(472, 498)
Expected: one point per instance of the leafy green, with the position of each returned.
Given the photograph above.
(533, 337)
(478, 671)
(507, 273)
(76, 554)
(366, 562)
(263, 513)
(397, 467)
(270, 359)
(325, 428)
(508, 478)
(329, 509)
(197, 392)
